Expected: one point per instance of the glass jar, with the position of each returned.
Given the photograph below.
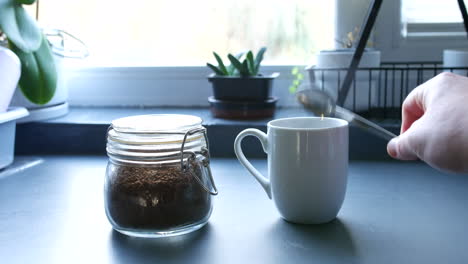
(158, 179)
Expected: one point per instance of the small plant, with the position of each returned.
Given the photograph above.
(298, 77)
(351, 40)
(24, 37)
(249, 66)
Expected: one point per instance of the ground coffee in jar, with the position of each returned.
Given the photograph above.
(158, 180)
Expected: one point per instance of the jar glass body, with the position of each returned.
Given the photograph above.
(154, 187)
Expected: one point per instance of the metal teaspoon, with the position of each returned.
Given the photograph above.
(320, 103)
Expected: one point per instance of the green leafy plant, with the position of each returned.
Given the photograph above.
(298, 77)
(243, 64)
(38, 71)
(351, 40)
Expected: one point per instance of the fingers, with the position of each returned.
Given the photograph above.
(401, 148)
(406, 146)
(412, 109)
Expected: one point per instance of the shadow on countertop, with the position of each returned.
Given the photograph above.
(329, 243)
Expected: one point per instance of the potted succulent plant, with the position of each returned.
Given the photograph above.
(239, 89)
(41, 88)
(38, 72)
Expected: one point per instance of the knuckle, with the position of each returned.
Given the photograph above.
(445, 75)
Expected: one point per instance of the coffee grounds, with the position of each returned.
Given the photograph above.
(155, 198)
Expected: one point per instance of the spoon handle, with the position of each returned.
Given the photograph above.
(363, 123)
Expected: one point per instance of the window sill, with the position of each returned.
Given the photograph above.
(83, 131)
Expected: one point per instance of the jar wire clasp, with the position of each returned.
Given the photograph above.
(204, 160)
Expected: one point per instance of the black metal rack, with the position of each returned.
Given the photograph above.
(405, 69)
(384, 88)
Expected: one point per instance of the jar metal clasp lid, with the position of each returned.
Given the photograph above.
(205, 161)
(192, 155)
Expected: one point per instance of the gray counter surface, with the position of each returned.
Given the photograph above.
(51, 211)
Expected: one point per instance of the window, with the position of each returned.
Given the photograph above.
(153, 52)
(431, 18)
(430, 11)
(419, 30)
(184, 33)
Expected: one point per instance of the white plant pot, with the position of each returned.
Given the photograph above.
(57, 106)
(342, 59)
(7, 131)
(456, 58)
(10, 71)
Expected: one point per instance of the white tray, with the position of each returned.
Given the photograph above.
(7, 133)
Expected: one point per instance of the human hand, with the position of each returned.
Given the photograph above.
(435, 124)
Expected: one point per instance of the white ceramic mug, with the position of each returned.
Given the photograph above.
(307, 166)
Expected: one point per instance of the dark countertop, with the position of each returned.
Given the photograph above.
(51, 211)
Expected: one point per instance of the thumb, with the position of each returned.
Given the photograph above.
(403, 147)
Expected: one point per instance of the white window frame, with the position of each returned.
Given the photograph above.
(420, 42)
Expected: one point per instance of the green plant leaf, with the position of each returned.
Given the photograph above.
(231, 69)
(26, 2)
(237, 64)
(20, 28)
(292, 89)
(251, 63)
(259, 58)
(38, 80)
(245, 69)
(220, 64)
(215, 69)
(295, 70)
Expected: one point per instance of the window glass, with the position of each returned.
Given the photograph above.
(178, 33)
(430, 11)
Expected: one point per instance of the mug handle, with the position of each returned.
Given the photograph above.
(264, 182)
